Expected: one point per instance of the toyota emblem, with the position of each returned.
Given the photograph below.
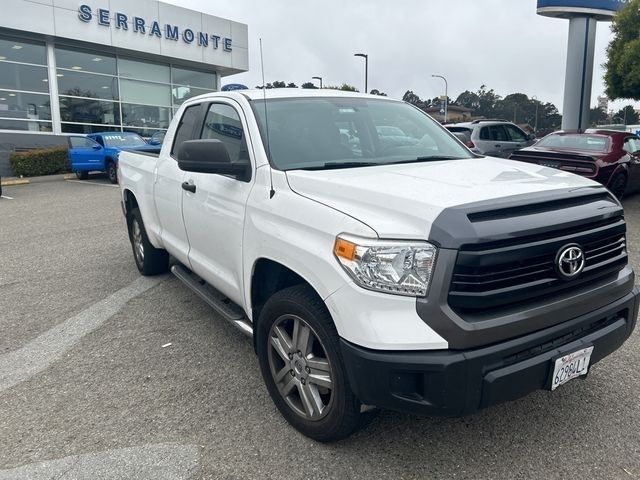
(570, 261)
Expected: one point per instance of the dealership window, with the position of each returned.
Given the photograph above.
(190, 83)
(148, 116)
(136, 70)
(89, 110)
(79, 84)
(85, 61)
(25, 104)
(133, 91)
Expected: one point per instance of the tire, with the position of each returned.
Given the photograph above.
(618, 185)
(112, 172)
(82, 175)
(311, 370)
(149, 259)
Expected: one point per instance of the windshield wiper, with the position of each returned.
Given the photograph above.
(337, 165)
(426, 159)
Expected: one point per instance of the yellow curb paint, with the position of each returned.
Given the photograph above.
(9, 183)
(69, 177)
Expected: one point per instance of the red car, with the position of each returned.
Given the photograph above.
(610, 157)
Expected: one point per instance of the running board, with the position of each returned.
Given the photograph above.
(221, 304)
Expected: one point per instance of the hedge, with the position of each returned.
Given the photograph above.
(46, 161)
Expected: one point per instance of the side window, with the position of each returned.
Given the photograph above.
(516, 134)
(100, 140)
(81, 142)
(498, 133)
(223, 123)
(485, 134)
(184, 131)
(631, 144)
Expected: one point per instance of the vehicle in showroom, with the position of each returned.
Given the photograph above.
(610, 157)
(495, 138)
(98, 152)
(417, 277)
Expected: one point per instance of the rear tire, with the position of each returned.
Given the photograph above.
(149, 259)
(82, 175)
(618, 185)
(112, 172)
(302, 366)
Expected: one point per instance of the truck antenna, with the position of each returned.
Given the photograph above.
(272, 192)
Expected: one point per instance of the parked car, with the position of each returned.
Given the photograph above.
(99, 152)
(157, 138)
(610, 157)
(495, 138)
(415, 277)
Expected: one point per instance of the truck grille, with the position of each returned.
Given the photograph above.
(497, 275)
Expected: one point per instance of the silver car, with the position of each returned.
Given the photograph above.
(495, 138)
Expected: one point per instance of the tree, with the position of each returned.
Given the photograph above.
(278, 84)
(377, 92)
(291, 85)
(627, 115)
(411, 98)
(597, 116)
(345, 86)
(468, 99)
(308, 85)
(622, 69)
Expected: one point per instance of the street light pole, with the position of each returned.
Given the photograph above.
(535, 127)
(446, 95)
(366, 70)
(318, 78)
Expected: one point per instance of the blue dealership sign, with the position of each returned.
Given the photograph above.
(597, 7)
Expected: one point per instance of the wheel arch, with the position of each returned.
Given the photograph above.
(267, 278)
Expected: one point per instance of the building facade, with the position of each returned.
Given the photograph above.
(106, 65)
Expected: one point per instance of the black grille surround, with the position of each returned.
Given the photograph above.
(499, 276)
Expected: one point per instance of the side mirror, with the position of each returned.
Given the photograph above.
(211, 156)
(97, 147)
(531, 136)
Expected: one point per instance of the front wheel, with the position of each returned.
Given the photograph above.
(618, 185)
(149, 259)
(302, 366)
(81, 175)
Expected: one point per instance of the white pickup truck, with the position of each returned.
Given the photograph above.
(374, 260)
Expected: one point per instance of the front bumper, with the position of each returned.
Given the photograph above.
(458, 382)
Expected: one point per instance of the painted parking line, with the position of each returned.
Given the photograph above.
(93, 183)
(4, 196)
(34, 357)
(154, 461)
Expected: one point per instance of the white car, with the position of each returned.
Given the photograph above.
(412, 276)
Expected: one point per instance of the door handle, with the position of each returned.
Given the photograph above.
(189, 187)
(497, 146)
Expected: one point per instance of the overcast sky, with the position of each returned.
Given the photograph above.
(500, 43)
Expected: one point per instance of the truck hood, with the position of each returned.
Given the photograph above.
(402, 201)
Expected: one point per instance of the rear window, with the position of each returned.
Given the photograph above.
(123, 140)
(593, 143)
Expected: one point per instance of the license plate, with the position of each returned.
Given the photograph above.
(571, 366)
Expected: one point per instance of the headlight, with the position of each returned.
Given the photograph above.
(401, 268)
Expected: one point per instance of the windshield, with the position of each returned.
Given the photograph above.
(317, 133)
(123, 140)
(594, 143)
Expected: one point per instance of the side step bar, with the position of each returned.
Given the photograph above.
(221, 304)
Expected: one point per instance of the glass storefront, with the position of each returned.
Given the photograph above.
(97, 91)
(25, 104)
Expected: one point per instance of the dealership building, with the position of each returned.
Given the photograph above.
(105, 65)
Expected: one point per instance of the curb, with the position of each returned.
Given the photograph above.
(19, 181)
(10, 181)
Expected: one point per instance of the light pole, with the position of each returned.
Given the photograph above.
(366, 70)
(318, 78)
(535, 127)
(446, 95)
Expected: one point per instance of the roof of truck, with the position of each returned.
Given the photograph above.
(272, 93)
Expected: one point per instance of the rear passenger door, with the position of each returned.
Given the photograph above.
(214, 214)
(632, 147)
(492, 138)
(85, 154)
(517, 139)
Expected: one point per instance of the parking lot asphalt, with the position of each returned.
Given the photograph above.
(104, 374)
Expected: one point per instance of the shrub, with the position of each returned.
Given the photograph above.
(46, 161)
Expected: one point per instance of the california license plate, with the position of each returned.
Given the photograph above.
(570, 366)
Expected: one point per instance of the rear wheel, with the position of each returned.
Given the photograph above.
(302, 366)
(112, 172)
(82, 175)
(618, 185)
(149, 259)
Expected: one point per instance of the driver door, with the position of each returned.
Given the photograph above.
(85, 154)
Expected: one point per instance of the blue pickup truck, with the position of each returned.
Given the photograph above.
(98, 152)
